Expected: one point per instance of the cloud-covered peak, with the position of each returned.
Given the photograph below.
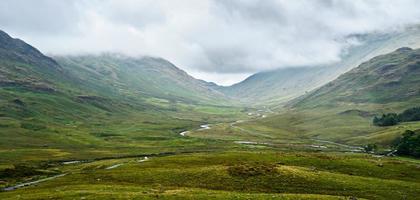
(206, 37)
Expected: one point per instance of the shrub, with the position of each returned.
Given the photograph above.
(19, 170)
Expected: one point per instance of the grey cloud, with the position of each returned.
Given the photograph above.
(132, 13)
(207, 36)
(39, 17)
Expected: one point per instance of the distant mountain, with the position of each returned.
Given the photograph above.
(145, 76)
(37, 87)
(281, 85)
(275, 86)
(393, 77)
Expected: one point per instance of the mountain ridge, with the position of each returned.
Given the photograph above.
(384, 79)
(276, 87)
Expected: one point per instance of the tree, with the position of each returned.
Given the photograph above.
(412, 114)
(389, 119)
(408, 144)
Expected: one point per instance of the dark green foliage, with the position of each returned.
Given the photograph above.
(247, 170)
(408, 144)
(32, 126)
(389, 119)
(412, 114)
(104, 134)
(19, 170)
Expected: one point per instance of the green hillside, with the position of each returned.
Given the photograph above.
(138, 77)
(95, 106)
(388, 78)
(342, 111)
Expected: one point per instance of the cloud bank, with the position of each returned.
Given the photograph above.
(216, 40)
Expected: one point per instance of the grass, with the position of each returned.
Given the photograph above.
(199, 175)
(135, 192)
(107, 113)
(275, 157)
(55, 127)
(346, 124)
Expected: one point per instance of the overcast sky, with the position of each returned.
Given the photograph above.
(216, 40)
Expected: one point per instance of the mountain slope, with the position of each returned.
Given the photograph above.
(279, 86)
(35, 87)
(342, 111)
(393, 77)
(24, 66)
(98, 106)
(275, 86)
(138, 77)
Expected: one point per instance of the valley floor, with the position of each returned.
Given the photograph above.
(256, 156)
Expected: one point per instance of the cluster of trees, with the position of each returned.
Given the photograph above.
(408, 144)
(390, 119)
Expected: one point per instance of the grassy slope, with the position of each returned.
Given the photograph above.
(295, 176)
(342, 110)
(113, 74)
(81, 130)
(97, 106)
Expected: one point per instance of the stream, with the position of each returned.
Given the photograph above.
(21, 185)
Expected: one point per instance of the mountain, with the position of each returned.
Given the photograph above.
(276, 86)
(389, 78)
(99, 105)
(281, 85)
(145, 76)
(24, 66)
(39, 88)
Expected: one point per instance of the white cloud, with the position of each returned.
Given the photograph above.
(209, 38)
